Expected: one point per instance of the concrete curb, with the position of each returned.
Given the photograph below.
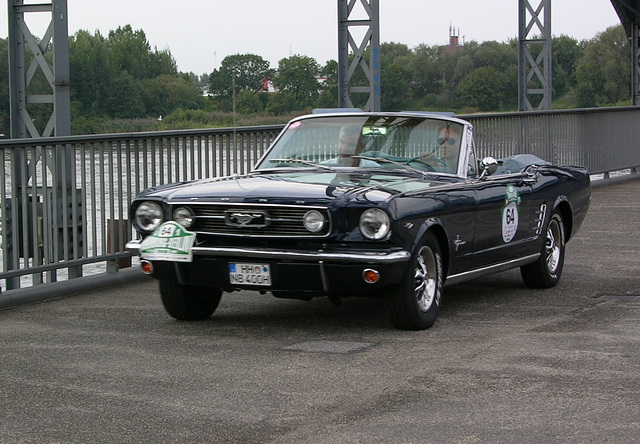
(599, 183)
(58, 290)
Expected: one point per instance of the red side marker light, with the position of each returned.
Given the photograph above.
(370, 276)
(147, 267)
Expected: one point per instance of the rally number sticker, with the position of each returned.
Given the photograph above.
(510, 214)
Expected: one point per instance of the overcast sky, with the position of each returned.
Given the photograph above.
(201, 33)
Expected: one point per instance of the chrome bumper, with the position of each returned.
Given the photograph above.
(294, 255)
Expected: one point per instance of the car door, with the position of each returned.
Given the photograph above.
(507, 217)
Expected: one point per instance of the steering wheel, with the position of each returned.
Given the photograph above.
(432, 156)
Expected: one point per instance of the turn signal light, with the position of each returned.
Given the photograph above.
(147, 267)
(370, 276)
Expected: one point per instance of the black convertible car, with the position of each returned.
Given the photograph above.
(389, 205)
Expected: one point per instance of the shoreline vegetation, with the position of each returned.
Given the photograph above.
(119, 83)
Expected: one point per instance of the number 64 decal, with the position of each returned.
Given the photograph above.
(510, 213)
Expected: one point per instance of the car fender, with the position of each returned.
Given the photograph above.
(562, 204)
(433, 224)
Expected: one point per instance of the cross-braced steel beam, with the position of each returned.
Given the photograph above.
(534, 66)
(359, 69)
(28, 57)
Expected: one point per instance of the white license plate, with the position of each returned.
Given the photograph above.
(249, 274)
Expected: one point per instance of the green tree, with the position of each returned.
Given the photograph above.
(510, 89)
(164, 94)
(297, 75)
(125, 99)
(586, 96)
(329, 89)
(130, 51)
(91, 70)
(483, 89)
(395, 87)
(395, 76)
(500, 56)
(249, 70)
(566, 53)
(122, 77)
(248, 102)
(282, 103)
(426, 71)
(391, 51)
(605, 66)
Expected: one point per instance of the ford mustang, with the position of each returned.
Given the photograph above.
(385, 205)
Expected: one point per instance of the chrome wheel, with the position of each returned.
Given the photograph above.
(553, 247)
(415, 303)
(545, 272)
(426, 273)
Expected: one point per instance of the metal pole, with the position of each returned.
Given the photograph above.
(371, 41)
(635, 63)
(62, 89)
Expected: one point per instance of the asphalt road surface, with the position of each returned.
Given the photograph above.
(503, 364)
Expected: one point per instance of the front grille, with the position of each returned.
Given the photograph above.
(255, 220)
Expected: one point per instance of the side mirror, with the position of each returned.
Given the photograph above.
(488, 166)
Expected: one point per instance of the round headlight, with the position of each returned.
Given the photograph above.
(148, 216)
(313, 221)
(374, 224)
(184, 216)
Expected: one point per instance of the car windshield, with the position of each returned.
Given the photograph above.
(389, 142)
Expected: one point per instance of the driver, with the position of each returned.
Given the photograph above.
(448, 147)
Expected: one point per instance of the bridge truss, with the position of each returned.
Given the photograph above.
(534, 63)
(359, 74)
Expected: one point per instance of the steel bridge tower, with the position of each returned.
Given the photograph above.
(29, 57)
(360, 74)
(44, 58)
(534, 64)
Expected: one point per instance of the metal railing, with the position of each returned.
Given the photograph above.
(601, 139)
(64, 201)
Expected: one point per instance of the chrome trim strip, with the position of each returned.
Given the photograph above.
(294, 255)
(196, 201)
(300, 236)
(307, 256)
(503, 266)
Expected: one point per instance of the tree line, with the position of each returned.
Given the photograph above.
(120, 83)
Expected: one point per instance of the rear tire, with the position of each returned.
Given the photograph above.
(546, 271)
(414, 304)
(189, 302)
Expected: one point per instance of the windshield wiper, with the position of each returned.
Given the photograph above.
(400, 164)
(304, 162)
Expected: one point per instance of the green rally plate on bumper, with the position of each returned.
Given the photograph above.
(170, 242)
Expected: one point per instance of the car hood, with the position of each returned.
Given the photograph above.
(298, 186)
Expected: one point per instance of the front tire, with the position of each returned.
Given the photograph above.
(414, 304)
(546, 271)
(189, 302)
